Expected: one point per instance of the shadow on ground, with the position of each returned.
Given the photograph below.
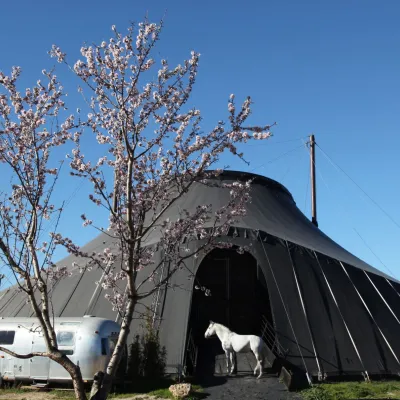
(245, 386)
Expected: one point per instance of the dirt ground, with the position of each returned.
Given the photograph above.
(248, 388)
(241, 387)
(36, 395)
(28, 396)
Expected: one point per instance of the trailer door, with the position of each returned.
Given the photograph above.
(23, 345)
(39, 365)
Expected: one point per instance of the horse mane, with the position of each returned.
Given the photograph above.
(217, 323)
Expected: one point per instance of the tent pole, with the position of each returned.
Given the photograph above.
(313, 182)
(157, 299)
(366, 376)
(370, 314)
(321, 375)
(383, 299)
(285, 308)
(388, 281)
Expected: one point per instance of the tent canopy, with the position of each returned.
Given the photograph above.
(331, 312)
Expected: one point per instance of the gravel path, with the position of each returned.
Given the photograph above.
(211, 374)
(246, 387)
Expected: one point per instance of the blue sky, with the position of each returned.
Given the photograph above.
(328, 68)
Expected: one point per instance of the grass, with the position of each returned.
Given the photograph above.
(325, 391)
(353, 390)
(157, 388)
(58, 394)
(159, 393)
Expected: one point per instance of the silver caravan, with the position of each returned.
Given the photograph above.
(88, 341)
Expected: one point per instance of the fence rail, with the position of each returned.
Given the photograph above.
(191, 353)
(270, 336)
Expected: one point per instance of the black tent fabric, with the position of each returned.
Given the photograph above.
(326, 312)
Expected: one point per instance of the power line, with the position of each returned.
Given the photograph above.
(366, 244)
(275, 159)
(355, 230)
(299, 159)
(359, 187)
(270, 141)
(53, 221)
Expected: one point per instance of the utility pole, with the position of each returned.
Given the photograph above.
(313, 182)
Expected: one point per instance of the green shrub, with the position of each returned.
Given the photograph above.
(134, 359)
(153, 355)
(147, 358)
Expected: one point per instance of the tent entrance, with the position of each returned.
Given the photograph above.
(238, 299)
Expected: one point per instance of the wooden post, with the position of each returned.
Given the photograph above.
(313, 182)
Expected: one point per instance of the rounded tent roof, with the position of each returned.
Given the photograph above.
(272, 210)
(257, 179)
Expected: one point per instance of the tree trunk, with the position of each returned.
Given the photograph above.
(75, 373)
(112, 367)
(79, 386)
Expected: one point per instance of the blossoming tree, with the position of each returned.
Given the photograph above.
(29, 134)
(155, 150)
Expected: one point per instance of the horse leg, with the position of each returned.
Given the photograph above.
(255, 369)
(232, 354)
(259, 365)
(227, 355)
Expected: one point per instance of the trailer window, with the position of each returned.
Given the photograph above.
(65, 338)
(7, 337)
(112, 342)
(67, 352)
(104, 346)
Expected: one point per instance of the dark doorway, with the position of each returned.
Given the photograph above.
(238, 299)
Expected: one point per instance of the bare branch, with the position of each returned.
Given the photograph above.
(24, 356)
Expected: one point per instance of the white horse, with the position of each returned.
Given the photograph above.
(232, 342)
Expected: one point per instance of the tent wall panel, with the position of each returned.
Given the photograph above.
(104, 307)
(285, 286)
(24, 308)
(78, 301)
(6, 298)
(64, 290)
(384, 319)
(331, 339)
(175, 316)
(12, 302)
(396, 286)
(389, 294)
(101, 306)
(373, 352)
(348, 360)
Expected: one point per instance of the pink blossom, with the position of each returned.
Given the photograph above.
(57, 53)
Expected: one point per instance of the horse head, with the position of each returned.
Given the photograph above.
(210, 330)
